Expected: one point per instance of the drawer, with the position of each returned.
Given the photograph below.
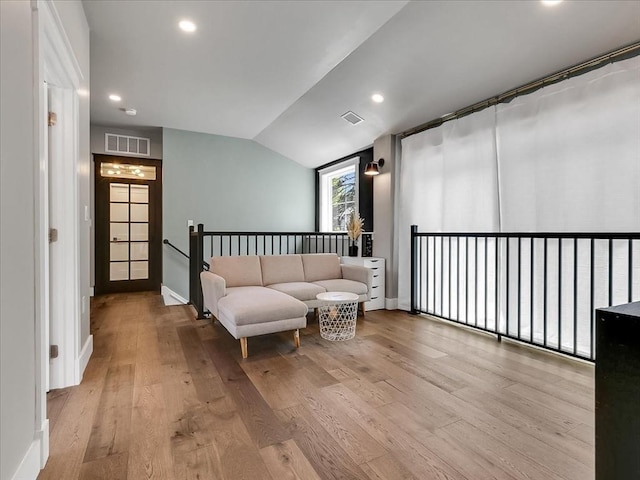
(373, 263)
(376, 303)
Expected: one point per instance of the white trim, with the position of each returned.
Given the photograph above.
(172, 298)
(92, 292)
(391, 303)
(42, 436)
(325, 175)
(85, 356)
(58, 66)
(36, 457)
(56, 45)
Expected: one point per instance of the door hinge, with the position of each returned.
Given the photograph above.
(53, 235)
(53, 351)
(52, 118)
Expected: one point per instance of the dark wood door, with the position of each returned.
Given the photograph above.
(128, 230)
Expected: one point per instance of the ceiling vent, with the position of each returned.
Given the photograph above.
(352, 118)
(126, 144)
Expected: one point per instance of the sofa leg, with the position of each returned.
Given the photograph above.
(362, 308)
(243, 347)
(296, 338)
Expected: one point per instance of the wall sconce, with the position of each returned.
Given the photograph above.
(373, 168)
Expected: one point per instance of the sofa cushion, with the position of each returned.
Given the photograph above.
(321, 266)
(238, 271)
(341, 285)
(303, 291)
(281, 269)
(252, 305)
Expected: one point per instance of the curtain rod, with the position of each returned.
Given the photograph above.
(584, 67)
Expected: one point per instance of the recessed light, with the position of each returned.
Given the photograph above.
(551, 3)
(187, 26)
(376, 97)
(115, 98)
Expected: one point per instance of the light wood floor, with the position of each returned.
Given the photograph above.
(168, 397)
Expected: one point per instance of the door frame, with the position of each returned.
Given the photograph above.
(155, 216)
(56, 65)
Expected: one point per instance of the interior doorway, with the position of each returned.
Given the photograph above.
(128, 229)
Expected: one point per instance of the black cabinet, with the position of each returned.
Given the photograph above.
(618, 392)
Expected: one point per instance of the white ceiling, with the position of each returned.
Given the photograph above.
(283, 72)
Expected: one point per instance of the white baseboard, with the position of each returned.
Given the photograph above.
(43, 435)
(172, 298)
(391, 303)
(85, 355)
(36, 456)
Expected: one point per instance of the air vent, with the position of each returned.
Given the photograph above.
(352, 118)
(126, 144)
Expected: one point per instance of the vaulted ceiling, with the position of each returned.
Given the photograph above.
(283, 72)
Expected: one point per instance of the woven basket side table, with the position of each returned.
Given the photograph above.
(338, 313)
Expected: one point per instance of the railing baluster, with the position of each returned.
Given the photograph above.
(449, 274)
(610, 265)
(435, 285)
(519, 285)
(458, 278)
(496, 279)
(630, 275)
(591, 309)
(418, 274)
(544, 294)
(466, 280)
(532, 298)
(426, 275)
(441, 275)
(507, 287)
(475, 287)
(414, 230)
(575, 296)
(559, 294)
(486, 280)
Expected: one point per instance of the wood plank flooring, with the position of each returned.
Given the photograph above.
(168, 397)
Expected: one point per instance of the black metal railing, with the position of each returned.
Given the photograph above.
(537, 288)
(208, 244)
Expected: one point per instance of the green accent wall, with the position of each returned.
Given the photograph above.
(228, 184)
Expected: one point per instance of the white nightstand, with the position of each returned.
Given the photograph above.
(377, 287)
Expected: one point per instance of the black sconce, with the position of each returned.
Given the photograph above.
(373, 168)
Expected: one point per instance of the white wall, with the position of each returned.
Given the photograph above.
(384, 216)
(228, 184)
(18, 154)
(21, 392)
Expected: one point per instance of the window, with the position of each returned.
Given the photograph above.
(338, 195)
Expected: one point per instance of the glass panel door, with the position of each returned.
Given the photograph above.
(129, 229)
(128, 221)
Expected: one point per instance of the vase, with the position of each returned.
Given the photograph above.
(353, 250)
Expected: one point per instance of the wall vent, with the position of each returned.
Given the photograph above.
(352, 118)
(126, 144)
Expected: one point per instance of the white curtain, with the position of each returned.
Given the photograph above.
(448, 182)
(569, 154)
(564, 158)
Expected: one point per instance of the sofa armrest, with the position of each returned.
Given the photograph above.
(213, 289)
(358, 274)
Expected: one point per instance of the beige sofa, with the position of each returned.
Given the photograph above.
(255, 295)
